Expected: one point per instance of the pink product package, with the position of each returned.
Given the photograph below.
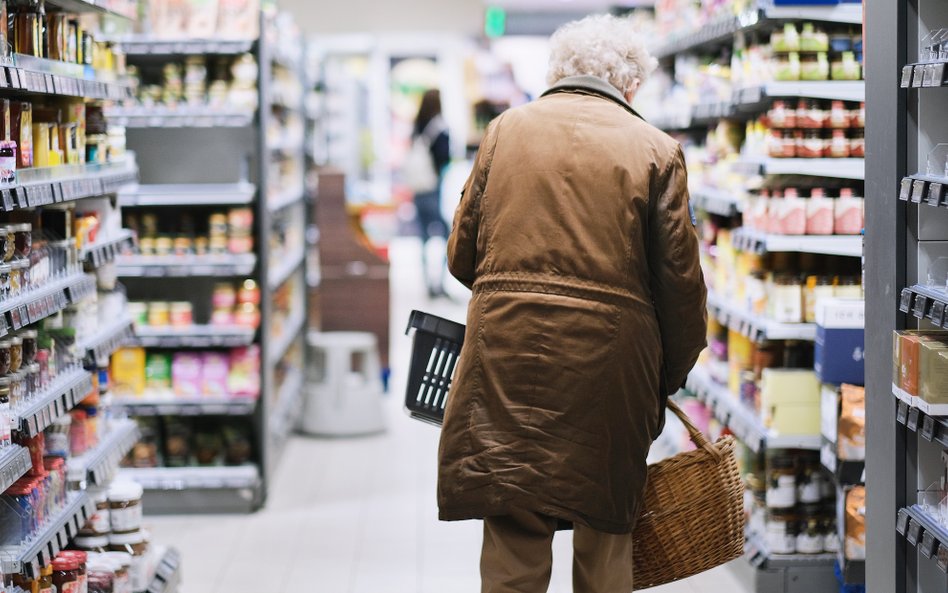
(186, 374)
(793, 216)
(214, 374)
(849, 215)
(819, 216)
(244, 378)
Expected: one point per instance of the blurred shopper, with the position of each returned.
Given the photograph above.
(429, 156)
(588, 310)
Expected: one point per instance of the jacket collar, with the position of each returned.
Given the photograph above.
(592, 85)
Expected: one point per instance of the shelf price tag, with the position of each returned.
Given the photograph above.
(938, 313)
(918, 190)
(907, 72)
(929, 80)
(905, 303)
(918, 77)
(905, 189)
(938, 74)
(941, 556)
(912, 421)
(935, 193)
(921, 305)
(928, 428)
(914, 529)
(927, 547)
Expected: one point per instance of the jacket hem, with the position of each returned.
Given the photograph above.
(465, 513)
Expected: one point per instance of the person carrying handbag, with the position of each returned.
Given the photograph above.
(587, 310)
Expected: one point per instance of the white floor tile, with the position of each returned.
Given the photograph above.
(360, 515)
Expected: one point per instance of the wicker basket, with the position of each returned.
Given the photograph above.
(692, 517)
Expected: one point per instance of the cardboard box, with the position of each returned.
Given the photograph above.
(790, 401)
(839, 356)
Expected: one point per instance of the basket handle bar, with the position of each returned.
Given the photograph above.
(697, 437)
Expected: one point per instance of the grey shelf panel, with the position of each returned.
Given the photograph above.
(924, 189)
(53, 185)
(923, 531)
(751, 240)
(831, 168)
(140, 45)
(167, 577)
(281, 344)
(52, 77)
(97, 466)
(40, 550)
(757, 327)
(285, 268)
(195, 336)
(107, 340)
(185, 117)
(40, 303)
(105, 251)
(908, 413)
(742, 421)
(197, 194)
(65, 392)
(925, 303)
(14, 463)
(137, 266)
(765, 15)
(84, 6)
(171, 407)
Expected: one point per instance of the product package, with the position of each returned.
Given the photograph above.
(855, 523)
(186, 375)
(790, 401)
(158, 371)
(840, 341)
(128, 372)
(21, 131)
(851, 435)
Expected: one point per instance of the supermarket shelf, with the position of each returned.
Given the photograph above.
(195, 336)
(181, 407)
(198, 194)
(203, 265)
(107, 340)
(98, 465)
(847, 473)
(925, 303)
(751, 240)
(183, 117)
(167, 575)
(288, 406)
(852, 571)
(281, 344)
(177, 490)
(716, 201)
(140, 45)
(14, 462)
(60, 397)
(924, 532)
(834, 168)
(919, 416)
(40, 549)
(722, 30)
(742, 421)
(123, 9)
(105, 251)
(53, 77)
(757, 327)
(42, 302)
(924, 74)
(924, 189)
(280, 273)
(52, 185)
(759, 556)
(285, 199)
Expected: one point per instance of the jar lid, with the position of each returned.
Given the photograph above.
(16, 341)
(101, 496)
(63, 563)
(29, 334)
(130, 538)
(122, 558)
(158, 305)
(5, 344)
(91, 541)
(46, 571)
(79, 555)
(125, 491)
(22, 227)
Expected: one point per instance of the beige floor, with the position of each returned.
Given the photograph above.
(359, 515)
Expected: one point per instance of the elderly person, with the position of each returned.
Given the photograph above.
(588, 310)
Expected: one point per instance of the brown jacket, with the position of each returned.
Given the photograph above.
(575, 235)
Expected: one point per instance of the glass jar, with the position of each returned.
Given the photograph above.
(5, 412)
(33, 380)
(99, 524)
(224, 296)
(817, 289)
(183, 246)
(146, 246)
(16, 279)
(125, 507)
(23, 239)
(781, 531)
(810, 537)
(839, 145)
(247, 315)
(4, 357)
(809, 485)
(7, 242)
(92, 543)
(164, 246)
(26, 274)
(839, 115)
(135, 545)
(217, 225)
(122, 564)
(7, 161)
(16, 353)
(66, 574)
(218, 246)
(848, 287)
(5, 285)
(786, 299)
(857, 144)
(81, 558)
(29, 337)
(781, 482)
(813, 146)
(46, 579)
(249, 292)
(18, 386)
(159, 314)
(181, 314)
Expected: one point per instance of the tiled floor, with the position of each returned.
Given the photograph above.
(359, 515)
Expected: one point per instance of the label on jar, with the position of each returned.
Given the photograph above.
(100, 521)
(781, 543)
(126, 519)
(809, 543)
(121, 583)
(782, 495)
(70, 587)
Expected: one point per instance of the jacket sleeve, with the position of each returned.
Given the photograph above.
(462, 244)
(678, 289)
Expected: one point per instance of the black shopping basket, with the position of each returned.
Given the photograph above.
(434, 356)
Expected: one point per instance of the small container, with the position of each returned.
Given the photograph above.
(139, 313)
(66, 574)
(857, 144)
(18, 391)
(819, 213)
(781, 483)
(247, 315)
(218, 246)
(813, 146)
(135, 545)
(159, 314)
(809, 486)
(92, 543)
(810, 537)
(793, 213)
(99, 524)
(5, 286)
(146, 246)
(787, 300)
(217, 225)
(23, 239)
(183, 246)
(33, 384)
(817, 289)
(5, 357)
(224, 296)
(125, 507)
(839, 115)
(781, 117)
(81, 558)
(164, 246)
(839, 145)
(16, 353)
(5, 416)
(249, 292)
(7, 161)
(201, 246)
(181, 314)
(848, 213)
(240, 244)
(46, 579)
(7, 242)
(122, 563)
(781, 531)
(29, 337)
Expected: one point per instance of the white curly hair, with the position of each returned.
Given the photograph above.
(603, 46)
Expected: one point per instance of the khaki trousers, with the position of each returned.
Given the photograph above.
(518, 556)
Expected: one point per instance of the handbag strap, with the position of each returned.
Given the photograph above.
(697, 437)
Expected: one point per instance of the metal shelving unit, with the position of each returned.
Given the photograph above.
(146, 406)
(152, 266)
(167, 575)
(66, 391)
(904, 234)
(141, 46)
(109, 339)
(97, 466)
(195, 336)
(757, 327)
(178, 489)
(14, 463)
(834, 168)
(39, 550)
(184, 117)
(182, 194)
(751, 240)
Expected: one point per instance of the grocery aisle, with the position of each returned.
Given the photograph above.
(359, 515)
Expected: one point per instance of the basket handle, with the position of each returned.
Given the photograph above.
(697, 437)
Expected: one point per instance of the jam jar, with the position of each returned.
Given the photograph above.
(29, 338)
(16, 353)
(7, 242)
(66, 574)
(5, 284)
(4, 357)
(23, 239)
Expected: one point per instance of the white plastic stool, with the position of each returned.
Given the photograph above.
(343, 385)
